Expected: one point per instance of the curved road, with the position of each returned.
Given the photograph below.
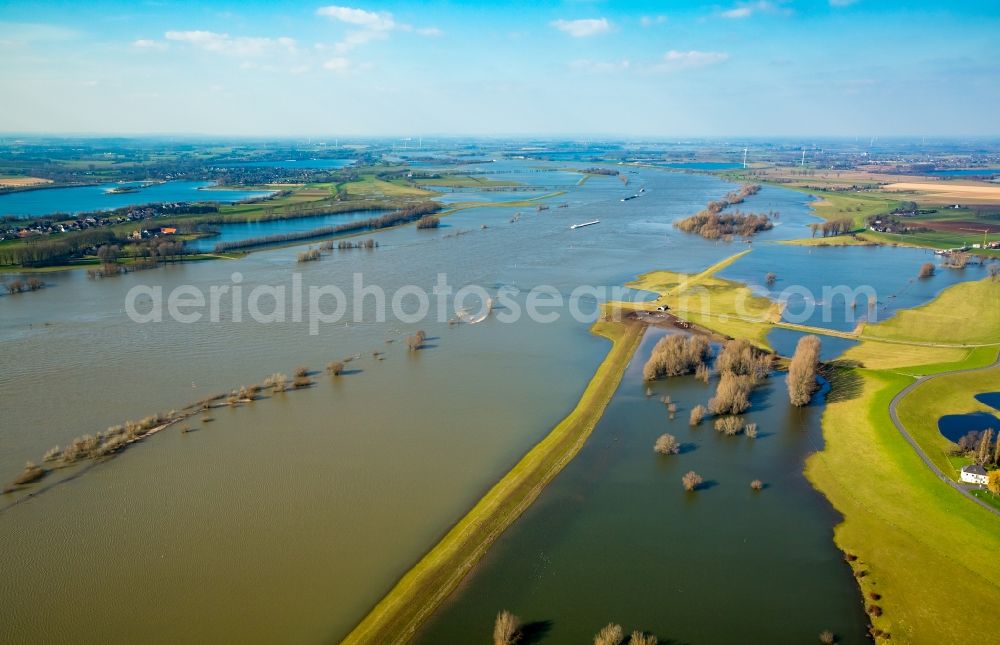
(906, 435)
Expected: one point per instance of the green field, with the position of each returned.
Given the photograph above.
(723, 306)
(966, 313)
(913, 535)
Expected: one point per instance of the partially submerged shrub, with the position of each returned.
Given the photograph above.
(729, 426)
(416, 341)
(667, 444)
(641, 638)
(691, 480)
(926, 270)
(703, 373)
(301, 382)
(672, 409)
(52, 454)
(611, 634)
(757, 484)
(301, 371)
(739, 357)
(827, 638)
(336, 368)
(277, 382)
(675, 355)
(506, 629)
(309, 256)
(697, 414)
(732, 396)
(31, 473)
(750, 430)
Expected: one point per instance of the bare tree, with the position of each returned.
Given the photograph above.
(611, 634)
(802, 370)
(691, 480)
(667, 444)
(506, 629)
(926, 270)
(697, 414)
(641, 638)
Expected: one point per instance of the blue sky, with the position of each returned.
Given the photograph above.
(759, 67)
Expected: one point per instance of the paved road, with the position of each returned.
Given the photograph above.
(906, 435)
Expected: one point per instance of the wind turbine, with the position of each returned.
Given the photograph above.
(802, 164)
(745, 158)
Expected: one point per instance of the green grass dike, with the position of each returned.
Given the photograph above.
(924, 556)
(423, 588)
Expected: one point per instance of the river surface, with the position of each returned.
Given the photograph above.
(86, 199)
(615, 538)
(286, 519)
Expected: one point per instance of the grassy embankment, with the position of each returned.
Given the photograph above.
(723, 306)
(929, 554)
(422, 589)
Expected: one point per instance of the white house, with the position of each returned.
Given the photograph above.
(974, 474)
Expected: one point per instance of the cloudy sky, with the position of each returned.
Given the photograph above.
(764, 67)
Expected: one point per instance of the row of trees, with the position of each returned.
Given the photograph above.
(401, 216)
(833, 227)
(981, 447)
(20, 286)
(55, 250)
(508, 630)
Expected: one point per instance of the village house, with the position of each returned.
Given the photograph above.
(974, 474)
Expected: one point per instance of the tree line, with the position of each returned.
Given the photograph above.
(401, 216)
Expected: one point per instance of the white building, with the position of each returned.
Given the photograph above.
(974, 474)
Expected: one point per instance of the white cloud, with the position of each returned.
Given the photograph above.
(649, 21)
(145, 43)
(747, 9)
(675, 60)
(338, 64)
(583, 27)
(738, 12)
(599, 67)
(241, 46)
(381, 21)
(373, 26)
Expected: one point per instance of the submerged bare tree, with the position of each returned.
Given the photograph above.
(611, 634)
(729, 426)
(506, 629)
(691, 480)
(732, 396)
(926, 270)
(802, 371)
(675, 355)
(697, 414)
(667, 444)
(642, 638)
